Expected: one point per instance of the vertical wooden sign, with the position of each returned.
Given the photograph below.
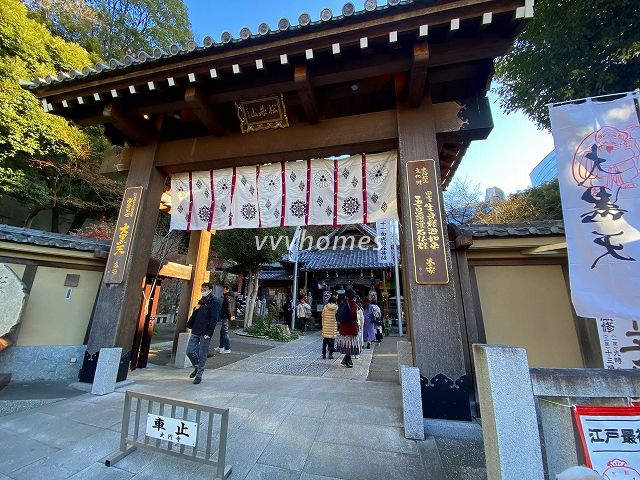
(122, 236)
(427, 236)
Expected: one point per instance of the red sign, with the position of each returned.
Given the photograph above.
(610, 440)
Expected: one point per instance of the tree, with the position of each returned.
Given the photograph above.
(536, 203)
(461, 200)
(45, 162)
(115, 28)
(241, 246)
(571, 49)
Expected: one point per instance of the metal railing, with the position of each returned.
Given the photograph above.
(139, 408)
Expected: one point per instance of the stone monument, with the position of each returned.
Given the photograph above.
(13, 298)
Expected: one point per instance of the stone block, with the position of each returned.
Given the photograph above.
(509, 418)
(181, 360)
(13, 297)
(104, 381)
(412, 403)
(36, 363)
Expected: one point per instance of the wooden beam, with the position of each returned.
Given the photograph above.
(198, 104)
(306, 94)
(463, 120)
(133, 128)
(353, 134)
(418, 74)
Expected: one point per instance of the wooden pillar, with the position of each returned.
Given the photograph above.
(115, 316)
(435, 321)
(197, 257)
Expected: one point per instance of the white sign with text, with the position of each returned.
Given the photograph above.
(172, 430)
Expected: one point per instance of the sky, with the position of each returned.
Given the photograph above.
(504, 160)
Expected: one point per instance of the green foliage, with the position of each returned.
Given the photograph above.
(571, 49)
(536, 203)
(113, 28)
(264, 328)
(240, 246)
(45, 161)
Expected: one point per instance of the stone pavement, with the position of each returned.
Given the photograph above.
(292, 416)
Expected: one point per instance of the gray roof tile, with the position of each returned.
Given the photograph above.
(227, 39)
(55, 240)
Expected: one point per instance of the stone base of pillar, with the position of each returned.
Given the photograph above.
(90, 363)
(445, 398)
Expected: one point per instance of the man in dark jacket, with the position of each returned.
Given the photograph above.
(228, 313)
(202, 323)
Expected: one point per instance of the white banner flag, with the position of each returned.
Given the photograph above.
(222, 186)
(598, 154)
(295, 193)
(322, 192)
(270, 195)
(180, 201)
(382, 201)
(244, 205)
(201, 201)
(350, 202)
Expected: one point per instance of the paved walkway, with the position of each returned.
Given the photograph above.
(292, 416)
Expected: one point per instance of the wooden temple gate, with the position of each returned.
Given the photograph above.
(407, 75)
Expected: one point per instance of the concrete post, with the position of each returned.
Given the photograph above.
(104, 381)
(509, 419)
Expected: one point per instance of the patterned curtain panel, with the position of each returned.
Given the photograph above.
(358, 189)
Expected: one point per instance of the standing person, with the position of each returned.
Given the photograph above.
(287, 310)
(228, 313)
(202, 323)
(360, 318)
(329, 327)
(302, 311)
(369, 334)
(347, 339)
(376, 318)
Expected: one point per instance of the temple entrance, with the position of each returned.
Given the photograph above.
(404, 77)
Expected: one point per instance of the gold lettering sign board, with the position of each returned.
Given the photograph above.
(262, 114)
(122, 236)
(427, 237)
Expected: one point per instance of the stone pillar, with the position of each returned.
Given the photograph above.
(104, 380)
(197, 257)
(114, 318)
(509, 419)
(434, 316)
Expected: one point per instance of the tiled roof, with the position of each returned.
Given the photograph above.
(227, 40)
(520, 229)
(275, 275)
(341, 259)
(48, 239)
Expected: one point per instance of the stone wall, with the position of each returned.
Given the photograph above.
(46, 362)
(505, 382)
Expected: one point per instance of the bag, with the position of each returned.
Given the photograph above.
(376, 315)
(344, 314)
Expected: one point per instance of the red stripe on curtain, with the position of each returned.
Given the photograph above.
(364, 188)
(190, 204)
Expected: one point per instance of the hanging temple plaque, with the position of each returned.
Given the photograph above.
(262, 114)
(427, 238)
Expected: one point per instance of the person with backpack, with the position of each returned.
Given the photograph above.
(202, 324)
(369, 334)
(347, 339)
